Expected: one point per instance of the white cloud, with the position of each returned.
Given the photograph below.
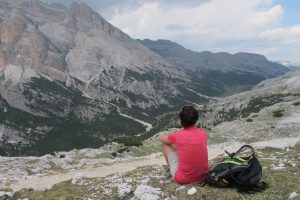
(288, 35)
(232, 25)
(232, 18)
(271, 17)
(265, 51)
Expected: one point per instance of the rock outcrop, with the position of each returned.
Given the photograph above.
(70, 73)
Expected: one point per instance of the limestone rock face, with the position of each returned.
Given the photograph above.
(69, 79)
(2, 59)
(13, 27)
(23, 44)
(76, 79)
(78, 42)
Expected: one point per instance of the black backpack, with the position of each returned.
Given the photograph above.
(237, 171)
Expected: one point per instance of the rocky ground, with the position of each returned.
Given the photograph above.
(279, 120)
(280, 171)
(100, 174)
(270, 121)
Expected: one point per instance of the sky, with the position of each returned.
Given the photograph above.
(268, 27)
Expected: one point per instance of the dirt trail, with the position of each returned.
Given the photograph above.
(38, 182)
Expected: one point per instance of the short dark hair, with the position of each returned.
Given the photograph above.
(188, 116)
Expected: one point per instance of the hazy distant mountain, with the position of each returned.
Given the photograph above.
(290, 65)
(222, 70)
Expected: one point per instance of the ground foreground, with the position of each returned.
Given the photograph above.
(280, 170)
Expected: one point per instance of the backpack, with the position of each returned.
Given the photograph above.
(237, 171)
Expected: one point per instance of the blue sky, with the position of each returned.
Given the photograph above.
(292, 11)
(268, 27)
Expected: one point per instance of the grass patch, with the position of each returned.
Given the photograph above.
(269, 150)
(278, 113)
(62, 191)
(6, 189)
(148, 148)
(104, 155)
(128, 141)
(32, 162)
(281, 183)
(215, 137)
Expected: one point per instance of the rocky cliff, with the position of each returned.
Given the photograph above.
(69, 79)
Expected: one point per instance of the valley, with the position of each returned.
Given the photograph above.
(70, 79)
(82, 105)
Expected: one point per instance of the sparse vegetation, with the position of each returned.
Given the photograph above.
(215, 137)
(228, 115)
(163, 122)
(224, 83)
(296, 103)
(278, 113)
(63, 191)
(249, 120)
(62, 117)
(155, 177)
(128, 141)
(258, 103)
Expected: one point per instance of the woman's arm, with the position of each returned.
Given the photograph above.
(164, 139)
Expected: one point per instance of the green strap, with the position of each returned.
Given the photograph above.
(236, 160)
(231, 162)
(243, 160)
(240, 159)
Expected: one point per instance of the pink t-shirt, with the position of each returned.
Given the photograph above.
(191, 145)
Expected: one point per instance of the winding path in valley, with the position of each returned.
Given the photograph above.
(146, 124)
(40, 182)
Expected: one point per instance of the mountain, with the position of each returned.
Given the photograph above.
(291, 65)
(69, 79)
(270, 110)
(226, 73)
(266, 117)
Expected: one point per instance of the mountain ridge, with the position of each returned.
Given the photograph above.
(77, 72)
(168, 49)
(60, 63)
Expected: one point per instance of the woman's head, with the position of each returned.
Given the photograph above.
(188, 116)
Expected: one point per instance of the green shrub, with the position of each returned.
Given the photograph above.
(249, 120)
(278, 113)
(296, 103)
(128, 141)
